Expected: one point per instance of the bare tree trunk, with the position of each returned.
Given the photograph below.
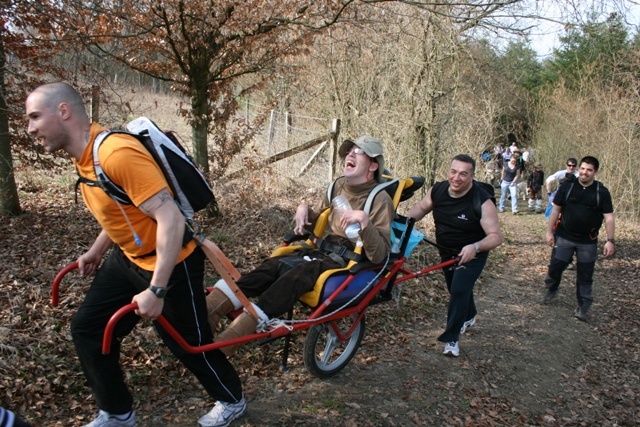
(200, 126)
(9, 202)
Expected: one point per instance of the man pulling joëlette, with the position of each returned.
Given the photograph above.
(155, 271)
(462, 232)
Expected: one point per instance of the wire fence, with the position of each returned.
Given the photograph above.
(283, 132)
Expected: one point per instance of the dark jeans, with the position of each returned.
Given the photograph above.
(460, 282)
(277, 291)
(586, 254)
(115, 284)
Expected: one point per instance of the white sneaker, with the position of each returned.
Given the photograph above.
(105, 419)
(469, 323)
(223, 414)
(452, 349)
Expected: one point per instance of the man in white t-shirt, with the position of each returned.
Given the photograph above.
(561, 176)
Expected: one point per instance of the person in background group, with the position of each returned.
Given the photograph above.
(559, 176)
(461, 232)
(584, 203)
(522, 164)
(513, 147)
(527, 156)
(534, 184)
(497, 154)
(157, 271)
(509, 182)
(506, 155)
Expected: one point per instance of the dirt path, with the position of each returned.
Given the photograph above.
(521, 364)
(515, 362)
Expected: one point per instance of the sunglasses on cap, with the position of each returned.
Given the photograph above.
(571, 165)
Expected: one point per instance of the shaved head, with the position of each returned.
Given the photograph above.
(55, 94)
(57, 118)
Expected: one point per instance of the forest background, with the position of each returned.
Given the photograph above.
(242, 81)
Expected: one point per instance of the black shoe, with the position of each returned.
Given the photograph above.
(580, 314)
(546, 299)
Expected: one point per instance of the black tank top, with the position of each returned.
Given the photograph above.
(457, 224)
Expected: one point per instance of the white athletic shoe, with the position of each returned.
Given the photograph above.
(223, 414)
(451, 349)
(469, 323)
(105, 419)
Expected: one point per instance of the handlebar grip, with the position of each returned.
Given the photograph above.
(56, 282)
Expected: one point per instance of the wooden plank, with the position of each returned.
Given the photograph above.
(283, 155)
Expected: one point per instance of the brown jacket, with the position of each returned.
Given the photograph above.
(376, 237)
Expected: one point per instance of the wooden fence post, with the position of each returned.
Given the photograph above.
(272, 127)
(287, 126)
(333, 148)
(95, 103)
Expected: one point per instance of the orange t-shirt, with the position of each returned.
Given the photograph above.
(130, 165)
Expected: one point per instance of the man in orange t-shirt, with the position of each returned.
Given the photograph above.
(149, 264)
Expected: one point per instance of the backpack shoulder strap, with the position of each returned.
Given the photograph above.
(330, 190)
(375, 191)
(103, 181)
(438, 190)
(477, 200)
(566, 196)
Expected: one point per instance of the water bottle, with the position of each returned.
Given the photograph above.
(341, 203)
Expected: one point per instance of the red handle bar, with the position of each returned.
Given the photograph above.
(108, 332)
(56, 282)
(111, 324)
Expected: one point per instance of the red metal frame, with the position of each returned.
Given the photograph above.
(314, 319)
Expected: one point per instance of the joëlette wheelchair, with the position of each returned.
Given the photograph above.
(338, 302)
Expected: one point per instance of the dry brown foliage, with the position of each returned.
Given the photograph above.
(522, 364)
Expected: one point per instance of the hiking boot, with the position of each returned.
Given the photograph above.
(550, 295)
(105, 419)
(218, 306)
(223, 414)
(451, 349)
(516, 212)
(580, 314)
(469, 323)
(242, 326)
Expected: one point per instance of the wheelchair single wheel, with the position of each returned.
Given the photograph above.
(325, 352)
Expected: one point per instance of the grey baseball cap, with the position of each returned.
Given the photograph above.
(371, 147)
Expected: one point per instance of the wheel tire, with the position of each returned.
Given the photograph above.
(322, 339)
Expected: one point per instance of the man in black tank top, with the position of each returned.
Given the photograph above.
(461, 232)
